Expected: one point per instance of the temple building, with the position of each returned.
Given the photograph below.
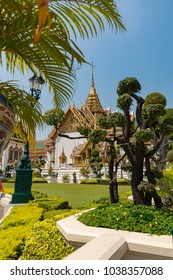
(72, 151)
(68, 153)
(14, 152)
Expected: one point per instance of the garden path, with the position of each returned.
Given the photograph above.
(1, 211)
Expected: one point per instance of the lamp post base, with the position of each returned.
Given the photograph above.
(21, 198)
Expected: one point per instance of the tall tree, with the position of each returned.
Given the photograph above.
(143, 141)
(107, 132)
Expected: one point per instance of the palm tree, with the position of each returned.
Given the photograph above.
(55, 53)
(43, 39)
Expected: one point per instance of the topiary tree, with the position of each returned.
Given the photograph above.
(84, 171)
(146, 138)
(96, 163)
(100, 134)
(54, 117)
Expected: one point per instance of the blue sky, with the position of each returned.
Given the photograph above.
(145, 51)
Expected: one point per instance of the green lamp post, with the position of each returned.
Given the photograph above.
(22, 192)
(171, 231)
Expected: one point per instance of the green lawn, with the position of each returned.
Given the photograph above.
(78, 195)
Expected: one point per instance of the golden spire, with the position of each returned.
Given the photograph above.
(93, 102)
(92, 84)
(62, 157)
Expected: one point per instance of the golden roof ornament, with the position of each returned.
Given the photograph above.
(93, 102)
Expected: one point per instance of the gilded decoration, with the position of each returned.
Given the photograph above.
(70, 123)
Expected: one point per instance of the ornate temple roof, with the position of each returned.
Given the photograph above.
(93, 102)
(87, 115)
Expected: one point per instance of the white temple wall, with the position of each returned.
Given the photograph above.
(67, 145)
(5, 155)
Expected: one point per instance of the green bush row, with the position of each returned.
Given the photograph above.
(25, 236)
(12, 242)
(23, 215)
(45, 242)
(39, 180)
(51, 203)
(89, 181)
(59, 214)
(34, 180)
(104, 181)
(15, 229)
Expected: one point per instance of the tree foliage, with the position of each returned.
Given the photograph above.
(53, 50)
(152, 126)
(96, 163)
(54, 117)
(41, 36)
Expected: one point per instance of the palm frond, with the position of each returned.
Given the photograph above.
(56, 51)
(27, 111)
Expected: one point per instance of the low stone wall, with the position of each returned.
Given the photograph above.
(5, 206)
(68, 170)
(105, 244)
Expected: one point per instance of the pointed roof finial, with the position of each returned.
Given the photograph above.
(93, 102)
(92, 73)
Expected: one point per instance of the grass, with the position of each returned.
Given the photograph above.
(78, 195)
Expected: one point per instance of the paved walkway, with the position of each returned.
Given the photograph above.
(1, 211)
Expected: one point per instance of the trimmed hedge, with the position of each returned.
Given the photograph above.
(89, 181)
(51, 203)
(25, 236)
(21, 215)
(39, 180)
(12, 242)
(15, 229)
(104, 181)
(37, 194)
(34, 180)
(45, 242)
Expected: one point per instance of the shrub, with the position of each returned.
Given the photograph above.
(89, 181)
(130, 217)
(12, 242)
(65, 178)
(45, 242)
(59, 214)
(15, 229)
(170, 156)
(102, 200)
(4, 180)
(51, 203)
(155, 98)
(37, 194)
(23, 215)
(66, 213)
(39, 180)
(84, 171)
(123, 181)
(168, 174)
(9, 190)
(11, 180)
(74, 177)
(36, 174)
(103, 181)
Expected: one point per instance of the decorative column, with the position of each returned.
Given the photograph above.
(22, 192)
